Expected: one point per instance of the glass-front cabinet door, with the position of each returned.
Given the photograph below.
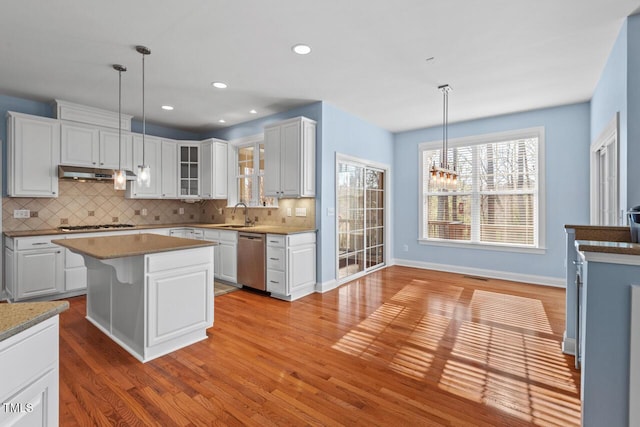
(189, 173)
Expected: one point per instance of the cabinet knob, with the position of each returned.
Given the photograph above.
(101, 163)
(274, 259)
(53, 192)
(94, 163)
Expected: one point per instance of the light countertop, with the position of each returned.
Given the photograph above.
(109, 247)
(263, 229)
(15, 318)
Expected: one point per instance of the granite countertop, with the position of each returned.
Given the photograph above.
(263, 229)
(622, 248)
(15, 318)
(600, 233)
(109, 247)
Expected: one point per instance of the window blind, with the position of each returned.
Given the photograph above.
(496, 200)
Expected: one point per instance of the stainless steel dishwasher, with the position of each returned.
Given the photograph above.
(251, 260)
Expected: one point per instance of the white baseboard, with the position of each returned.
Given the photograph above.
(327, 286)
(568, 345)
(558, 282)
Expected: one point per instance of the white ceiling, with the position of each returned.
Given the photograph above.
(368, 59)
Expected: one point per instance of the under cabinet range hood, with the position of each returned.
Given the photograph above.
(78, 173)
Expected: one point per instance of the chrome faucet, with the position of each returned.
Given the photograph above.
(247, 221)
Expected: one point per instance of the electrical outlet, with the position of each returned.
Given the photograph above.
(301, 211)
(288, 211)
(21, 213)
(331, 211)
(181, 211)
(143, 212)
(405, 248)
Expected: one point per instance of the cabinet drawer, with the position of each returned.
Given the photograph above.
(41, 242)
(275, 258)
(213, 235)
(301, 239)
(228, 236)
(275, 240)
(276, 282)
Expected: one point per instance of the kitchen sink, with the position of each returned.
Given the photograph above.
(232, 226)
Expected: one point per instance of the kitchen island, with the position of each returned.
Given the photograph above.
(607, 267)
(150, 294)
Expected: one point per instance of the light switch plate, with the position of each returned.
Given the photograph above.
(301, 211)
(288, 211)
(143, 212)
(181, 211)
(331, 211)
(21, 213)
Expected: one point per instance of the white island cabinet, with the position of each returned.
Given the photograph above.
(151, 294)
(30, 363)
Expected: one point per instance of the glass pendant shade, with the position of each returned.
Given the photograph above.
(144, 176)
(120, 180)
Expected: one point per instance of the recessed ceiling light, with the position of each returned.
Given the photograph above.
(219, 85)
(222, 121)
(167, 107)
(301, 49)
(253, 112)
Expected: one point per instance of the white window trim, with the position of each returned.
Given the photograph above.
(534, 132)
(233, 167)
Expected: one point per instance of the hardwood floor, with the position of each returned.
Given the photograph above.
(400, 347)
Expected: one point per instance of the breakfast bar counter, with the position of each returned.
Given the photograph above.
(150, 294)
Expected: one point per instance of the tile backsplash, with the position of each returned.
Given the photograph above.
(89, 203)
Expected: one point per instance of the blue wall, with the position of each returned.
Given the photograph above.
(609, 97)
(567, 190)
(345, 134)
(633, 112)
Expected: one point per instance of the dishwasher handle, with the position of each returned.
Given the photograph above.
(250, 236)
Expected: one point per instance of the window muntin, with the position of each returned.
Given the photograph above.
(498, 196)
(250, 175)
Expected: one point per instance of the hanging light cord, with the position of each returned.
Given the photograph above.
(120, 70)
(444, 163)
(144, 122)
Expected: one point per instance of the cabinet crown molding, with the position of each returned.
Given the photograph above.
(65, 110)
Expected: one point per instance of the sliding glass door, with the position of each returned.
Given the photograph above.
(360, 218)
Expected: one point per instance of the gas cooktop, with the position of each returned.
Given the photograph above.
(93, 227)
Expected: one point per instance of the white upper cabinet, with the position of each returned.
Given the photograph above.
(290, 148)
(89, 146)
(169, 170)
(152, 158)
(213, 169)
(33, 152)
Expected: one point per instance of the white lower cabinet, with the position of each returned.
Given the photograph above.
(291, 265)
(34, 267)
(30, 381)
(225, 257)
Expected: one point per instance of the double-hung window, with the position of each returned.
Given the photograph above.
(249, 174)
(499, 197)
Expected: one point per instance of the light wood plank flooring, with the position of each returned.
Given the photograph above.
(400, 347)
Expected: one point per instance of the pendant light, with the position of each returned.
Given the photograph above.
(120, 177)
(144, 171)
(444, 177)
